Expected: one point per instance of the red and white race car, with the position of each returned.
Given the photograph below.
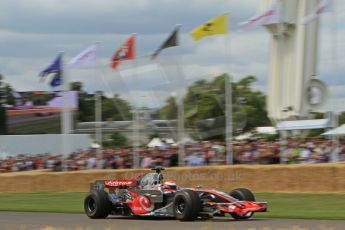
(150, 195)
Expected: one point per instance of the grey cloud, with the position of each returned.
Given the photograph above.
(106, 16)
(32, 32)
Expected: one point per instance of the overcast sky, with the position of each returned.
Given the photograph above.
(32, 32)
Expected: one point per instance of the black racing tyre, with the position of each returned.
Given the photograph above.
(242, 194)
(97, 205)
(186, 205)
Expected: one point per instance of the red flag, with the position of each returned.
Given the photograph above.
(125, 52)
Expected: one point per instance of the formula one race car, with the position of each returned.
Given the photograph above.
(150, 195)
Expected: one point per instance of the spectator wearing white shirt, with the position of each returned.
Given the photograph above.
(91, 163)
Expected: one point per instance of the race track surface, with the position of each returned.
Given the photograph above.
(52, 221)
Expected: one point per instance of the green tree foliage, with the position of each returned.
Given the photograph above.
(116, 109)
(253, 103)
(76, 86)
(341, 118)
(86, 107)
(204, 105)
(113, 108)
(8, 96)
(117, 140)
(169, 111)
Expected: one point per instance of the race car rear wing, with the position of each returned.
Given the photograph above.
(101, 184)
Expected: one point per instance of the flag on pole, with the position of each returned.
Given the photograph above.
(56, 80)
(316, 12)
(56, 68)
(125, 52)
(218, 25)
(171, 41)
(87, 55)
(269, 16)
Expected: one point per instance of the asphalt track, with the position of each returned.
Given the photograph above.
(30, 220)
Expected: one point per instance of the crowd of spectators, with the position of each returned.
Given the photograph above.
(196, 154)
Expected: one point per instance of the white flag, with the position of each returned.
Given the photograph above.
(269, 16)
(317, 11)
(88, 55)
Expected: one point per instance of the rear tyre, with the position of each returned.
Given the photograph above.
(242, 194)
(97, 205)
(187, 205)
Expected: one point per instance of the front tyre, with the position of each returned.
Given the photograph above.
(242, 194)
(97, 205)
(186, 205)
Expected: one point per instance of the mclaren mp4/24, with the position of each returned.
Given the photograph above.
(150, 195)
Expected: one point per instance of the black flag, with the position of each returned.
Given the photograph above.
(171, 41)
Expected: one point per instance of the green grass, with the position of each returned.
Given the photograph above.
(303, 206)
(42, 202)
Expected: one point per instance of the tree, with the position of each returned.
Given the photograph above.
(86, 107)
(76, 86)
(169, 111)
(117, 140)
(253, 103)
(204, 105)
(116, 109)
(341, 118)
(113, 109)
(10, 100)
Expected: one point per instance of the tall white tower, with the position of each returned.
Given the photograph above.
(294, 54)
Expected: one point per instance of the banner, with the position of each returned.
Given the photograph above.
(37, 112)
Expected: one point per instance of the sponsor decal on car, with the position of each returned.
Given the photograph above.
(117, 183)
(146, 204)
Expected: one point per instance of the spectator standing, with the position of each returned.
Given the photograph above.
(91, 162)
(173, 158)
(146, 161)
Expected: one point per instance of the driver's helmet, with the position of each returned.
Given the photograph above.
(169, 185)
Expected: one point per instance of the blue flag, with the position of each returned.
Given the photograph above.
(56, 81)
(56, 68)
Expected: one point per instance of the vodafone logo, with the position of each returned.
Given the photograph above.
(146, 204)
(117, 183)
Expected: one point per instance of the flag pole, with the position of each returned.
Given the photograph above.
(280, 39)
(136, 128)
(228, 114)
(335, 117)
(180, 114)
(228, 104)
(66, 122)
(180, 118)
(98, 112)
(98, 123)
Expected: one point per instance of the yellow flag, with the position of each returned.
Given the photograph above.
(218, 25)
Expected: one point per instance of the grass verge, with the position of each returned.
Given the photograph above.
(71, 202)
(301, 206)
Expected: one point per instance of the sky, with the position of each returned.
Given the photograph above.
(33, 32)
